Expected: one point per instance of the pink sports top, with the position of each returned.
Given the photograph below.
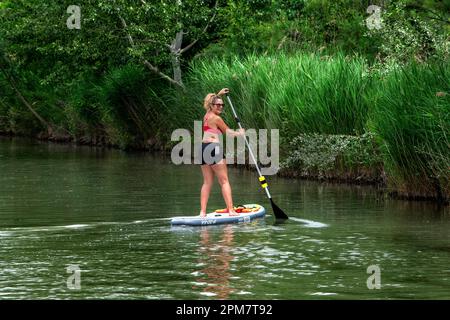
(206, 128)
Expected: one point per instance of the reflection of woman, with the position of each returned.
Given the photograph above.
(217, 259)
(212, 155)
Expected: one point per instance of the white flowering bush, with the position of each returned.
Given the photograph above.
(317, 154)
(407, 33)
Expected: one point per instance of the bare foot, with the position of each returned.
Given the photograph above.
(202, 214)
(233, 213)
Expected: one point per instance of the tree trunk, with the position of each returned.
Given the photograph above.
(175, 50)
(28, 105)
(146, 62)
(10, 79)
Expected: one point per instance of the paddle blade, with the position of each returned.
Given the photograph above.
(279, 214)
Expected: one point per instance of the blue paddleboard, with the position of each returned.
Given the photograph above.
(221, 218)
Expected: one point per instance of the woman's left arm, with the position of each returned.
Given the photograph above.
(225, 129)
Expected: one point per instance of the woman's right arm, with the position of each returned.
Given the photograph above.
(223, 91)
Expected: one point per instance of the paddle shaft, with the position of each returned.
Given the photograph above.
(248, 145)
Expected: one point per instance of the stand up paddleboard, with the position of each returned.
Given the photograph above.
(251, 212)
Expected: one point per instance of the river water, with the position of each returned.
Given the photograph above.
(89, 223)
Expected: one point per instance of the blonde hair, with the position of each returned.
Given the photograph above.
(209, 100)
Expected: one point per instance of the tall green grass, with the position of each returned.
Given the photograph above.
(298, 93)
(411, 117)
(407, 109)
(125, 105)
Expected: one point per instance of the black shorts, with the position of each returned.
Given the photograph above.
(212, 153)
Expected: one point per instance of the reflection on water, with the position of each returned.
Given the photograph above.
(215, 259)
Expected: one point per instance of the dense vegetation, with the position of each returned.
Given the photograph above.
(354, 98)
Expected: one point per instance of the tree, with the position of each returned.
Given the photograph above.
(156, 31)
(7, 75)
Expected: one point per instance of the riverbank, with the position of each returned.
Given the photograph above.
(336, 171)
(338, 118)
(342, 118)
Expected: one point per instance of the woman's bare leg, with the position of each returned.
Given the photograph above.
(208, 179)
(221, 172)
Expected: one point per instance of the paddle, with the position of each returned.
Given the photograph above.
(279, 214)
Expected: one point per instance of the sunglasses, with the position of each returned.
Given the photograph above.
(219, 104)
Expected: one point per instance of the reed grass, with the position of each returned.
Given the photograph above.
(407, 109)
(411, 118)
(315, 94)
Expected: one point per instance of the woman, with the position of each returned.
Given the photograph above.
(212, 155)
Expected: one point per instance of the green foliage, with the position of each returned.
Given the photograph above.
(318, 94)
(412, 120)
(339, 108)
(153, 25)
(247, 25)
(53, 52)
(270, 26)
(335, 26)
(84, 107)
(124, 103)
(408, 33)
(309, 68)
(322, 153)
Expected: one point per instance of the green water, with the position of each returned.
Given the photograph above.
(107, 212)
